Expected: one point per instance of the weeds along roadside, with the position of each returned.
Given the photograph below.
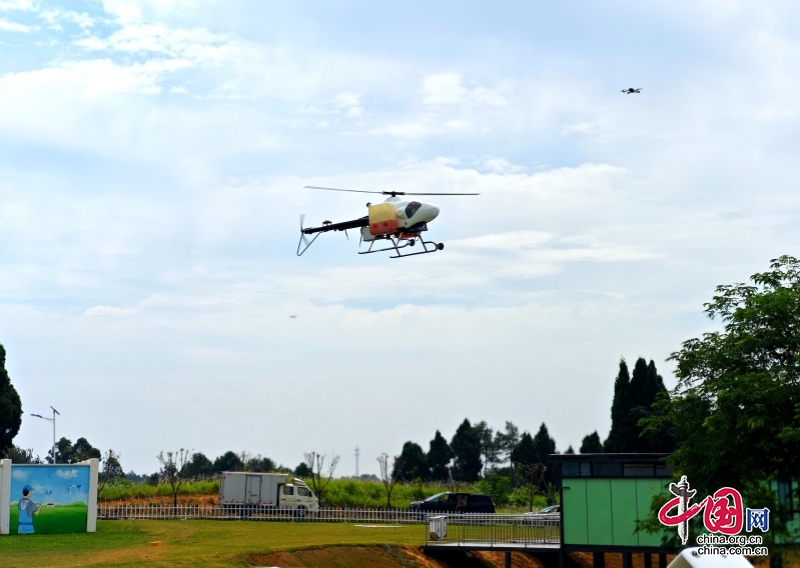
(344, 493)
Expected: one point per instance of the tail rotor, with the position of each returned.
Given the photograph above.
(304, 243)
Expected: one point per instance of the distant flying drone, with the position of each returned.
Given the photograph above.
(631, 90)
(398, 221)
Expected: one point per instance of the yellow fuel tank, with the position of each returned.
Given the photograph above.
(382, 219)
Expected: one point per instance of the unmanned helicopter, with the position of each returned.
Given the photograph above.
(396, 220)
(631, 90)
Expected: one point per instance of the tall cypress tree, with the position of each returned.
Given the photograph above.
(466, 445)
(545, 445)
(665, 439)
(640, 397)
(439, 456)
(633, 401)
(10, 407)
(620, 411)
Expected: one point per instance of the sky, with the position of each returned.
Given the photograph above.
(153, 155)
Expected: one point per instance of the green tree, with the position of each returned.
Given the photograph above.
(633, 402)
(490, 449)
(498, 486)
(10, 407)
(20, 455)
(173, 466)
(229, 461)
(83, 450)
(736, 402)
(199, 466)
(570, 450)
(466, 445)
(619, 438)
(591, 444)
(507, 441)
(545, 445)
(66, 452)
(112, 468)
(260, 464)
(525, 452)
(302, 471)
(439, 456)
(63, 452)
(413, 463)
(389, 474)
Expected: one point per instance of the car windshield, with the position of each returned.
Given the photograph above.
(550, 509)
(436, 497)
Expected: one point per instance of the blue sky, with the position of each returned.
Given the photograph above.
(152, 159)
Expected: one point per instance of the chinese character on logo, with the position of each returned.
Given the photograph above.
(682, 497)
(758, 519)
(723, 512)
(722, 515)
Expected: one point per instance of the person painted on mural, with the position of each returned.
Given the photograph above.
(27, 509)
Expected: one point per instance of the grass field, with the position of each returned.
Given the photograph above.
(54, 520)
(246, 543)
(189, 543)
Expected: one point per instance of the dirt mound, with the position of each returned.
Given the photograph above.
(387, 557)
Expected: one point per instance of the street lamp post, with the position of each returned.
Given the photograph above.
(53, 420)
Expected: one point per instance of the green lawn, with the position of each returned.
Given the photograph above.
(55, 520)
(188, 543)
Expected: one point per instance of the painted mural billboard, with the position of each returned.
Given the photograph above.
(49, 500)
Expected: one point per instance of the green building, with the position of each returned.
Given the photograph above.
(602, 498)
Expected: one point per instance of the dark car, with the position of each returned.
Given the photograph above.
(456, 503)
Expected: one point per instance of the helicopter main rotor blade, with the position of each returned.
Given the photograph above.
(392, 193)
(335, 189)
(402, 193)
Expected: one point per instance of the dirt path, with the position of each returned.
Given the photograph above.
(387, 557)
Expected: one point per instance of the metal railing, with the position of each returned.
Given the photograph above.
(519, 530)
(468, 527)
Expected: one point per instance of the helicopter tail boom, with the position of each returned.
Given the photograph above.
(304, 243)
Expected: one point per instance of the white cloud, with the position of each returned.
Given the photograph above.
(446, 89)
(67, 473)
(108, 311)
(197, 45)
(19, 474)
(350, 103)
(406, 130)
(136, 222)
(443, 88)
(501, 166)
(18, 5)
(124, 11)
(55, 15)
(7, 26)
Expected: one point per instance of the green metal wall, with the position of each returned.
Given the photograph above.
(598, 511)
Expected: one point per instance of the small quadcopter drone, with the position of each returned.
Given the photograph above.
(631, 90)
(395, 220)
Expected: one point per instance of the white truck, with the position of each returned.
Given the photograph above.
(252, 492)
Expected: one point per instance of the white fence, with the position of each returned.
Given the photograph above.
(533, 528)
(258, 513)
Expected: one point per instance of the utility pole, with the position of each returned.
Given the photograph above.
(356, 461)
(53, 420)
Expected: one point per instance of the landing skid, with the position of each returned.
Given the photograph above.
(396, 247)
